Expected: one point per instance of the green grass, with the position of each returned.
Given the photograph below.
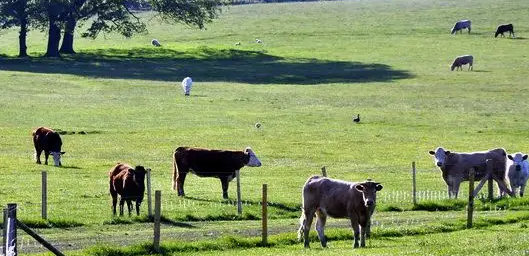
(320, 63)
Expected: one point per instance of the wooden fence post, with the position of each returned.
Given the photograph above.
(44, 207)
(414, 183)
(470, 197)
(149, 195)
(264, 205)
(157, 218)
(323, 171)
(11, 230)
(239, 202)
(39, 239)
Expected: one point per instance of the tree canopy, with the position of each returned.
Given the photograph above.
(117, 16)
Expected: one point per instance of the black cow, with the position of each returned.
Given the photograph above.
(221, 164)
(48, 140)
(504, 28)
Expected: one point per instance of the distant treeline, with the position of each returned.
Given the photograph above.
(145, 6)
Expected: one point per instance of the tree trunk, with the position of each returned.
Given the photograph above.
(22, 52)
(54, 38)
(67, 40)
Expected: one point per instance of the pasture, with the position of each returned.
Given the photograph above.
(319, 64)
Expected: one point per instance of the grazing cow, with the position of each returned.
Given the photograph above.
(505, 28)
(463, 60)
(455, 167)
(518, 172)
(338, 199)
(187, 83)
(129, 184)
(460, 25)
(210, 163)
(48, 140)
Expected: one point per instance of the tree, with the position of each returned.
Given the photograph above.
(16, 13)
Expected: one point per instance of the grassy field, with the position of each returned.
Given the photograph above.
(319, 65)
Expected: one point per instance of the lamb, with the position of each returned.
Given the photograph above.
(518, 171)
(155, 43)
(187, 83)
(463, 60)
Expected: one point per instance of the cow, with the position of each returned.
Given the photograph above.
(460, 25)
(459, 61)
(49, 141)
(129, 184)
(518, 172)
(324, 197)
(455, 168)
(221, 164)
(187, 83)
(504, 28)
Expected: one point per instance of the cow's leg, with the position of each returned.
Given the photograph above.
(180, 182)
(46, 155)
(363, 232)
(121, 204)
(129, 206)
(356, 231)
(309, 215)
(503, 186)
(138, 203)
(522, 188)
(320, 226)
(38, 150)
(114, 202)
(224, 182)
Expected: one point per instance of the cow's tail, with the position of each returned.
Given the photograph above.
(175, 170)
(302, 221)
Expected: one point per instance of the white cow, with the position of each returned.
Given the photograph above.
(187, 83)
(518, 171)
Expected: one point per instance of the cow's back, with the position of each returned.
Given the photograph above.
(210, 162)
(47, 139)
(334, 197)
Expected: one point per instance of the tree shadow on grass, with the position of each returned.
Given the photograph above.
(206, 65)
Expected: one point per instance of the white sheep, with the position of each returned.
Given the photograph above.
(518, 171)
(463, 60)
(187, 83)
(155, 42)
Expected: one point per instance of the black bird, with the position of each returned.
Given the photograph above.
(357, 119)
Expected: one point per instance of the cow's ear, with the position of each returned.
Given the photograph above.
(431, 153)
(525, 157)
(510, 157)
(447, 152)
(359, 187)
(379, 187)
(62, 152)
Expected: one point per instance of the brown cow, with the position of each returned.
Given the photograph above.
(455, 168)
(129, 183)
(339, 199)
(48, 140)
(221, 164)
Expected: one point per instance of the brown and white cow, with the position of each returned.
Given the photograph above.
(220, 164)
(48, 140)
(455, 168)
(324, 197)
(129, 184)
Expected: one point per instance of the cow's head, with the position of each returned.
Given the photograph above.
(517, 160)
(254, 161)
(57, 157)
(440, 155)
(369, 192)
(139, 174)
